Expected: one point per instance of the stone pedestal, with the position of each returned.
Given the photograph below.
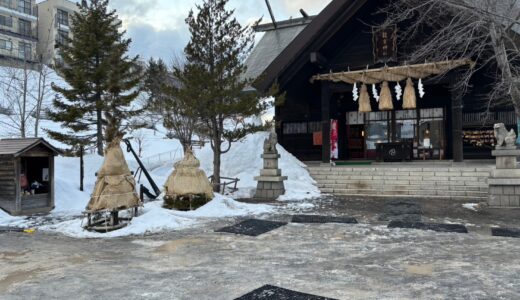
(270, 182)
(504, 183)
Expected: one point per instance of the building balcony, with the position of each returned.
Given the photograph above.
(16, 56)
(31, 35)
(12, 7)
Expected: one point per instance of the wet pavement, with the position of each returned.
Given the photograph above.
(335, 260)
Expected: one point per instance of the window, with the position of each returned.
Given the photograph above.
(295, 128)
(24, 27)
(25, 50)
(6, 45)
(302, 127)
(431, 125)
(24, 6)
(6, 3)
(6, 21)
(62, 37)
(62, 17)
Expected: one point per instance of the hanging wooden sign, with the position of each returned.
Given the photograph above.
(384, 42)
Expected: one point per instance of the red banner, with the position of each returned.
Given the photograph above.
(333, 139)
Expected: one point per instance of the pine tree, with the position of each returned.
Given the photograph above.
(102, 80)
(212, 81)
(156, 75)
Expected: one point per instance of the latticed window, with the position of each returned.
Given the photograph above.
(25, 50)
(24, 6)
(295, 128)
(6, 45)
(6, 3)
(62, 17)
(24, 27)
(6, 21)
(62, 37)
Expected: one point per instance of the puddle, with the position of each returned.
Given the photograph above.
(12, 254)
(423, 270)
(173, 246)
(146, 243)
(17, 277)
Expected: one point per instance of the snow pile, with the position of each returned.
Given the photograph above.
(155, 219)
(10, 221)
(471, 206)
(243, 161)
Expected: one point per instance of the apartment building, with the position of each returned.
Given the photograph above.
(54, 17)
(18, 32)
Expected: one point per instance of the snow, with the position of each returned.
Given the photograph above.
(471, 206)
(154, 218)
(7, 220)
(243, 161)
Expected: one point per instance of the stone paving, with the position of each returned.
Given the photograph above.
(335, 260)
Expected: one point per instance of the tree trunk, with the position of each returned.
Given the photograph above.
(99, 137)
(24, 110)
(81, 169)
(216, 166)
(39, 101)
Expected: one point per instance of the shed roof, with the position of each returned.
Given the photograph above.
(275, 40)
(17, 147)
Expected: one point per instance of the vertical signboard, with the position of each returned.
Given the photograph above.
(384, 44)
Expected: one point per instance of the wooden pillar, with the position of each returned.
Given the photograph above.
(17, 208)
(456, 123)
(52, 184)
(325, 121)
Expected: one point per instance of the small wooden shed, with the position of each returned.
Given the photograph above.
(26, 176)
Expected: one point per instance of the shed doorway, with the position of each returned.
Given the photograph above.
(35, 182)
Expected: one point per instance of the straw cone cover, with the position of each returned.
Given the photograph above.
(364, 100)
(385, 99)
(115, 185)
(188, 179)
(409, 97)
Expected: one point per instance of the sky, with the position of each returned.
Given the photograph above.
(158, 30)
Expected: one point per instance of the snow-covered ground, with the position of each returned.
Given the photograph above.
(243, 161)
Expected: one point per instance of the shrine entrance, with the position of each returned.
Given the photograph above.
(423, 131)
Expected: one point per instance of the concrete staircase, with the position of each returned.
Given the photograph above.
(414, 180)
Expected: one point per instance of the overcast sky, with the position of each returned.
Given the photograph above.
(157, 27)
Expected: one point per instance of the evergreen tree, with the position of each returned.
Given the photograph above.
(156, 75)
(212, 83)
(102, 80)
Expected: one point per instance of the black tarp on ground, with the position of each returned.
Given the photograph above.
(506, 232)
(322, 219)
(457, 228)
(269, 292)
(252, 227)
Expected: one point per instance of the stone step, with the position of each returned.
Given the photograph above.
(417, 193)
(416, 181)
(403, 173)
(376, 182)
(482, 188)
(404, 170)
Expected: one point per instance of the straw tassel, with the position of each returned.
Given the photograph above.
(364, 100)
(409, 98)
(385, 98)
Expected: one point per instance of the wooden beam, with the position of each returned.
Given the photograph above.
(325, 121)
(456, 124)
